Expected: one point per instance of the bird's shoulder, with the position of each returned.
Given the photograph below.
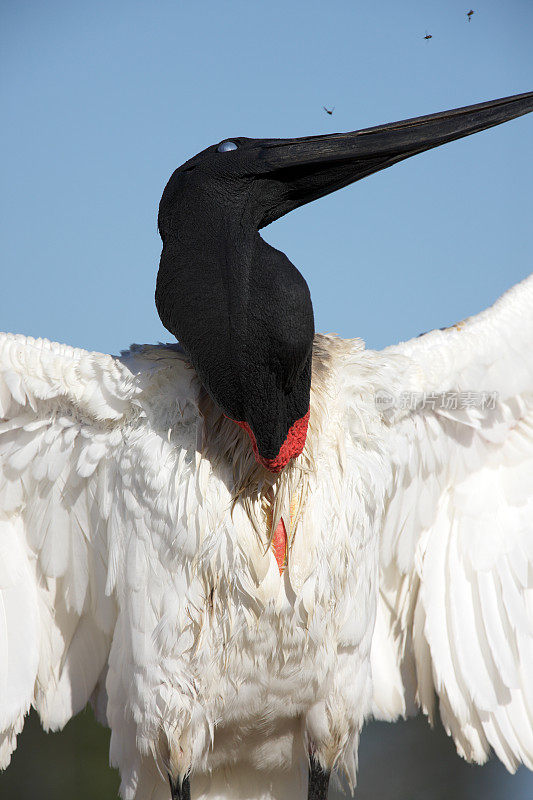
(143, 381)
(163, 377)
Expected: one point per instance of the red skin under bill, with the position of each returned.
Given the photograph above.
(279, 545)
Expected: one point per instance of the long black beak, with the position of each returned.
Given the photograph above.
(311, 167)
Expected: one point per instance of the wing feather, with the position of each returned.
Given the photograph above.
(58, 408)
(68, 500)
(456, 601)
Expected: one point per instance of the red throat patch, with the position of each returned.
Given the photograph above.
(291, 447)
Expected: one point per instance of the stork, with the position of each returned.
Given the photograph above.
(239, 547)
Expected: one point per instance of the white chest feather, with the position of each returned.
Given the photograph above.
(228, 659)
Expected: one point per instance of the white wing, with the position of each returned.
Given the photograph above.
(455, 619)
(64, 503)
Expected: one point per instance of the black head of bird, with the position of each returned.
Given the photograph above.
(239, 307)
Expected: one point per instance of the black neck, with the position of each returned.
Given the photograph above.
(243, 313)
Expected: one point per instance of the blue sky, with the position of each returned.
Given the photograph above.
(103, 100)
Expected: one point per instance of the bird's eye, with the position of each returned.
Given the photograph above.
(225, 146)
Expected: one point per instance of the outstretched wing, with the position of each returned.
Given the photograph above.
(65, 415)
(455, 618)
(61, 414)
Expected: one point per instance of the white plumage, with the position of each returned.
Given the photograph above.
(135, 570)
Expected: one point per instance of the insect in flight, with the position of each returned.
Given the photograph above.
(469, 14)
(329, 110)
(428, 36)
